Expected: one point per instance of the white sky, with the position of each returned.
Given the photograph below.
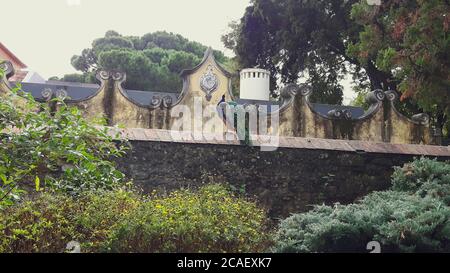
(45, 34)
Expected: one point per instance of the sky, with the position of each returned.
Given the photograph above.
(45, 34)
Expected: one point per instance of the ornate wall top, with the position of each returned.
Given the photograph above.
(210, 82)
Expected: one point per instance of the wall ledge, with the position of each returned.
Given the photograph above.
(139, 134)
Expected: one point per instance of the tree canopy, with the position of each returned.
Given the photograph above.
(409, 39)
(402, 45)
(152, 62)
(295, 38)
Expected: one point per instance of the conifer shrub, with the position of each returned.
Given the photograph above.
(424, 177)
(412, 217)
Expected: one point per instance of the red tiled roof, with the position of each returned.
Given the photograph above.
(13, 58)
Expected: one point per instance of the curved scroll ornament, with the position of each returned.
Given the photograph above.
(340, 114)
(167, 101)
(7, 68)
(209, 82)
(305, 90)
(290, 91)
(104, 75)
(117, 76)
(422, 118)
(155, 102)
(164, 102)
(377, 96)
(391, 95)
(49, 94)
(61, 94)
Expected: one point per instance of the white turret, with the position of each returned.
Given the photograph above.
(255, 84)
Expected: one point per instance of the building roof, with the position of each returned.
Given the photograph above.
(146, 97)
(323, 109)
(81, 91)
(74, 91)
(11, 57)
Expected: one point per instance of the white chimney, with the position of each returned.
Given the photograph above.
(255, 84)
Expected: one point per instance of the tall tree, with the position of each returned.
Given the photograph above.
(152, 62)
(301, 38)
(410, 39)
(402, 45)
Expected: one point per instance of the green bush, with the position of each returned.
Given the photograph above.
(51, 146)
(49, 221)
(399, 221)
(424, 177)
(210, 220)
(38, 226)
(413, 217)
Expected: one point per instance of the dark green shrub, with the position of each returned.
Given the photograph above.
(399, 221)
(210, 220)
(425, 177)
(413, 217)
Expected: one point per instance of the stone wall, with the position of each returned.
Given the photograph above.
(285, 181)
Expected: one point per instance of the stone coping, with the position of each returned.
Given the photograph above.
(139, 134)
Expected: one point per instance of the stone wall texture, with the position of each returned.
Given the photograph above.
(285, 181)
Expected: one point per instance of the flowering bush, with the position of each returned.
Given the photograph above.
(49, 221)
(210, 220)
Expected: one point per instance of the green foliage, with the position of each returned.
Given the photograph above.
(152, 62)
(400, 45)
(410, 40)
(81, 78)
(140, 70)
(424, 177)
(296, 40)
(54, 146)
(360, 99)
(210, 220)
(412, 217)
(49, 221)
(399, 221)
